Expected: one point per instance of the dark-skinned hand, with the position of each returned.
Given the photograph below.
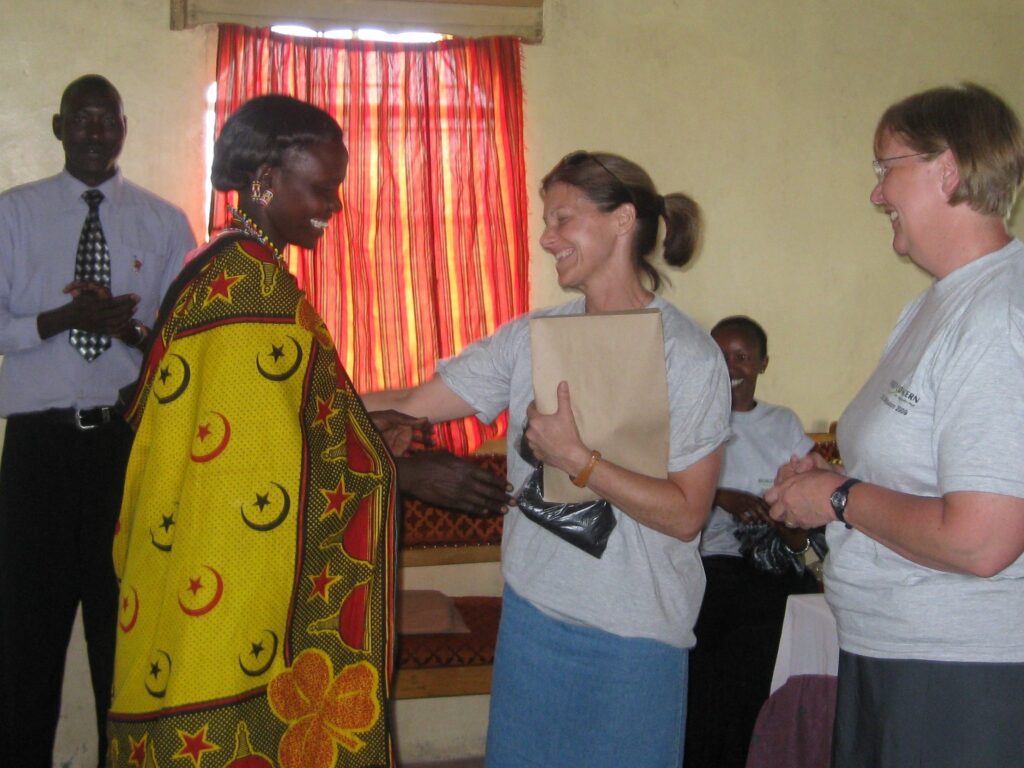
(747, 508)
(444, 480)
(92, 309)
(401, 431)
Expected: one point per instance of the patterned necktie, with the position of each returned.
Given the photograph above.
(92, 265)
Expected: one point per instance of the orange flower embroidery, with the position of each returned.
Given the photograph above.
(322, 710)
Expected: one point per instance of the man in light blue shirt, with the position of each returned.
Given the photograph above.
(65, 448)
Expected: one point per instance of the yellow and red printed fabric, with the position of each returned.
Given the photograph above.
(256, 544)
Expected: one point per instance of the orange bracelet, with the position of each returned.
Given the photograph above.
(580, 481)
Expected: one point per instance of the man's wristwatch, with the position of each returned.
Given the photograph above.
(839, 498)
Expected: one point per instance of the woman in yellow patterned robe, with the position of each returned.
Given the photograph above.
(255, 548)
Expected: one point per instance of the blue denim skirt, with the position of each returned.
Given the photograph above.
(567, 695)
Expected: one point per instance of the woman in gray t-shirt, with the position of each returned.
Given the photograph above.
(925, 573)
(591, 662)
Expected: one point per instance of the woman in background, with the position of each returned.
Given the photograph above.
(591, 661)
(925, 572)
(752, 563)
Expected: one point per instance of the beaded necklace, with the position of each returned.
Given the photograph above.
(249, 227)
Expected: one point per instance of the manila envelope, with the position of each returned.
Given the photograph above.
(615, 365)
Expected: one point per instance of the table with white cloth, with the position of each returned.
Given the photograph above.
(808, 644)
(794, 727)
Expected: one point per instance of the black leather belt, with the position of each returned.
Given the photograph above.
(82, 419)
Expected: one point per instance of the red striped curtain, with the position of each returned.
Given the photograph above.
(430, 252)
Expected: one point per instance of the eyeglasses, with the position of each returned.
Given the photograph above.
(581, 156)
(881, 169)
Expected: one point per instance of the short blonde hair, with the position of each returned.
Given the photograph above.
(980, 129)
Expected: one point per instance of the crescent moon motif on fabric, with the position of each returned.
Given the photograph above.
(163, 541)
(160, 674)
(218, 435)
(263, 500)
(195, 586)
(279, 359)
(255, 650)
(128, 626)
(171, 380)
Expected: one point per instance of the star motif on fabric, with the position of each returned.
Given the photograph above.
(165, 373)
(262, 499)
(204, 432)
(325, 411)
(220, 288)
(335, 500)
(256, 650)
(276, 352)
(167, 523)
(138, 751)
(322, 585)
(155, 670)
(194, 746)
(194, 585)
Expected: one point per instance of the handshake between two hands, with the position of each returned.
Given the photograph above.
(438, 477)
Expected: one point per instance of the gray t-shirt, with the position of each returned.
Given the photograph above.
(944, 411)
(646, 584)
(762, 439)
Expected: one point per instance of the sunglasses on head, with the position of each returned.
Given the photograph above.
(581, 156)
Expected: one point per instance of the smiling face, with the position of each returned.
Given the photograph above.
(580, 236)
(745, 360)
(912, 195)
(91, 126)
(305, 188)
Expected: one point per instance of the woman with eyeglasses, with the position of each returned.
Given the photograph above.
(591, 662)
(925, 573)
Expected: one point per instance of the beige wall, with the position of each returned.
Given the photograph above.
(162, 77)
(761, 110)
(764, 112)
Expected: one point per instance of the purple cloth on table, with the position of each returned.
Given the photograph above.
(794, 728)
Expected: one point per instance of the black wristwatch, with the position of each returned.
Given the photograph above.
(839, 498)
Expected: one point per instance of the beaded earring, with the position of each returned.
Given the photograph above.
(261, 196)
